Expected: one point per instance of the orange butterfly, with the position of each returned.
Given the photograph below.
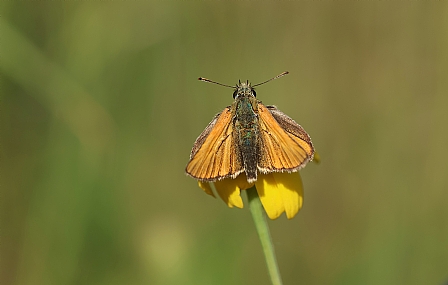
(249, 137)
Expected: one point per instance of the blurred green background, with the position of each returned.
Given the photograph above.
(100, 106)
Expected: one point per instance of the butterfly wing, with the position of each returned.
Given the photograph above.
(285, 146)
(214, 155)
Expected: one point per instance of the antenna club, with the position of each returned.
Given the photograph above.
(214, 82)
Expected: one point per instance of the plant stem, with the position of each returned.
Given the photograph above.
(263, 232)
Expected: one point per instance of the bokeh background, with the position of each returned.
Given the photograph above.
(100, 106)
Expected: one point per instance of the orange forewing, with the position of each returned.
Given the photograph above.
(214, 156)
(285, 146)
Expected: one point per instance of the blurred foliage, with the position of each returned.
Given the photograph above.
(100, 106)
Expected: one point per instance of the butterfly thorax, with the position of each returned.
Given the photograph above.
(246, 129)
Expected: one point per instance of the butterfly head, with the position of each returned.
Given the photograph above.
(244, 89)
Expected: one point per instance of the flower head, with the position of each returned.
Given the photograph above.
(278, 192)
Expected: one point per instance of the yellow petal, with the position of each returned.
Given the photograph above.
(280, 192)
(206, 187)
(269, 196)
(291, 189)
(241, 181)
(316, 158)
(229, 192)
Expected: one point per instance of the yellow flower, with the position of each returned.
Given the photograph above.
(278, 192)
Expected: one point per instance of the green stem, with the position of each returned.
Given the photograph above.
(263, 232)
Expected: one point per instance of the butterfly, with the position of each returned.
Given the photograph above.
(249, 137)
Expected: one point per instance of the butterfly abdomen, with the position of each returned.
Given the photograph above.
(248, 142)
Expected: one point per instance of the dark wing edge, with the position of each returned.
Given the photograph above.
(203, 136)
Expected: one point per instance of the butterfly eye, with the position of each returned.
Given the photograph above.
(254, 93)
(235, 93)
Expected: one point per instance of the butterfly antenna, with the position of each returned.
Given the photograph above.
(211, 81)
(278, 76)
